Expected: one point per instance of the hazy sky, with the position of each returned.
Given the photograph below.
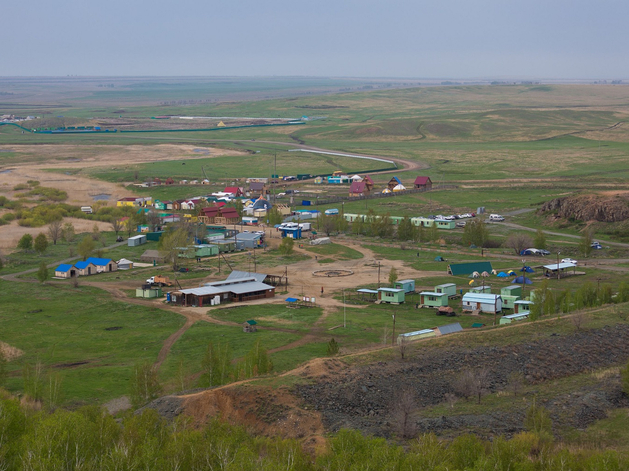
(368, 38)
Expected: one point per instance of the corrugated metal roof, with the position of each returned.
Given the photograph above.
(480, 297)
(516, 316)
(391, 290)
(450, 328)
(445, 284)
(63, 267)
(561, 266)
(522, 301)
(430, 293)
(248, 236)
(249, 287)
(405, 281)
(99, 261)
(365, 290)
(419, 332)
(236, 275)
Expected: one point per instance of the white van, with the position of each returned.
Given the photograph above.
(87, 209)
(496, 218)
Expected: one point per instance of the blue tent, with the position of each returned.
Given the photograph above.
(523, 279)
(527, 269)
(502, 275)
(291, 300)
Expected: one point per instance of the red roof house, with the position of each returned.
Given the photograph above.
(423, 182)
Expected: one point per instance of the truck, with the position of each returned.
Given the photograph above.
(159, 281)
(305, 226)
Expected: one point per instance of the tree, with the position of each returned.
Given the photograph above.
(585, 244)
(3, 366)
(274, 217)
(540, 239)
(624, 378)
(67, 232)
(404, 407)
(516, 380)
(475, 233)
(327, 224)
(33, 380)
(286, 246)
(171, 242)
(86, 247)
(518, 241)
(55, 231)
(333, 348)
(144, 384)
(216, 365)
(25, 243)
(256, 362)
(153, 220)
(392, 276)
(41, 243)
(538, 420)
(42, 272)
(340, 224)
(117, 225)
(406, 230)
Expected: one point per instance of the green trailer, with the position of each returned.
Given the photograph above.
(447, 288)
(512, 290)
(432, 299)
(154, 292)
(508, 302)
(390, 295)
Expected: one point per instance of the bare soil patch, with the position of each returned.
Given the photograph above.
(10, 352)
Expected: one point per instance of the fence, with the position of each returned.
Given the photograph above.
(339, 199)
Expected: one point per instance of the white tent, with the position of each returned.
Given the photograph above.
(356, 178)
(399, 187)
(124, 264)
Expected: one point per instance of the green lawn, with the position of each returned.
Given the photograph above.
(66, 329)
(271, 315)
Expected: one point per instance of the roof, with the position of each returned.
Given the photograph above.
(357, 187)
(261, 203)
(137, 237)
(247, 236)
(560, 266)
(231, 189)
(128, 198)
(397, 180)
(83, 264)
(251, 322)
(64, 267)
(229, 212)
(481, 297)
(418, 332)
(99, 262)
(247, 285)
(469, 268)
(124, 261)
(211, 211)
(430, 293)
(522, 301)
(291, 300)
(405, 281)
(391, 290)
(365, 290)
(450, 328)
(444, 285)
(422, 180)
(238, 275)
(256, 186)
(368, 179)
(516, 316)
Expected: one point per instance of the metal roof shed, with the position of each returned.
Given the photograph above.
(411, 336)
(390, 295)
(513, 317)
(407, 285)
(136, 240)
(430, 299)
(447, 288)
(449, 329)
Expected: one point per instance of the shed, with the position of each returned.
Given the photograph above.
(153, 292)
(521, 307)
(136, 240)
(250, 240)
(468, 268)
(513, 317)
(508, 301)
(154, 236)
(431, 299)
(417, 335)
(103, 264)
(292, 232)
(555, 269)
(407, 285)
(445, 223)
(423, 183)
(489, 303)
(65, 270)
(85, 268)
(447, 288)
(449, 329)
(124, 264)
(205, 250)
(390, 295)
(512, 290)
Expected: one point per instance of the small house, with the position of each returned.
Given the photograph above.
(431, 299)
(292, 232)
(395, 181)
(390, 295)
(249, 326)
(85, 268)
(422, 183)
(521, 306)
(447, 288)
(358, 189)
(445, 223)
(488, 303)
(258, 188)
(508, 301)
(512, 290)
(65, 270)
(407, 285)
(136, 240)
(417, 335)
(318, 180)
(423, 222)
(233, 190)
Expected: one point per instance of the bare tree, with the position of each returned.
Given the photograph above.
(117, 226)
(516, 380)
(55, 231)
(404, 408)
(480, 383)
(463, 385)
(518, 242)
(578, 319)
(402, 344)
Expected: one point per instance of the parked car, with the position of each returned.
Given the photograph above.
(543, 252)
(569, 260)
(460, 224)
(596, 245)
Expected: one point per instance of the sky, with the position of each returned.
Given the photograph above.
(552, 39)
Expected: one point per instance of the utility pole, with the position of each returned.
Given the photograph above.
(344, 315)
(558, 265)
(378, 275)
(255, 264)
(393, 336)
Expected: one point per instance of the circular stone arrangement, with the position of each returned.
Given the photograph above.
(330, 273)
